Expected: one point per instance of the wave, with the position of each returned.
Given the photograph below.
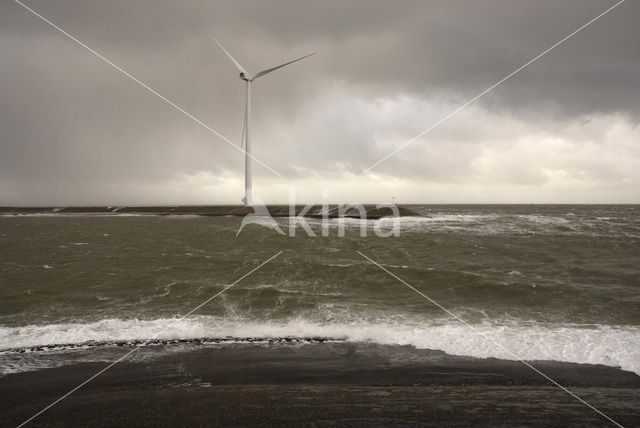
(73, 215)
(491, 223)
(514, 224)
(617, 346)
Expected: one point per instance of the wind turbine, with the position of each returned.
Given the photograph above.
(248, 78)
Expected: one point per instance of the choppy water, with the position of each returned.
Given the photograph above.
(546, 282)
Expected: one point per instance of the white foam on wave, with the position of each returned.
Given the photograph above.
(57, 214)
(507, 223)
(617, 346)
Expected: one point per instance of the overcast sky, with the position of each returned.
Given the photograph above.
(76, 131)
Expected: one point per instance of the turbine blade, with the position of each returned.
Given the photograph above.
(236, 63)
(269, 70)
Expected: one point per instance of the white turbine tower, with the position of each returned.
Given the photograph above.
(248, 78)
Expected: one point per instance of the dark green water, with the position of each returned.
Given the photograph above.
(547, 282)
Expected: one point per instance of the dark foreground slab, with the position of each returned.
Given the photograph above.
(332, 211)
(319, 385)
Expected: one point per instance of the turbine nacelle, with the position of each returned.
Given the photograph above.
(246, 78)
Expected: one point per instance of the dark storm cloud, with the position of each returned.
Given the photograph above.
(67, 117)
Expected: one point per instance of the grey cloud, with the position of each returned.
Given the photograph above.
(66, 117)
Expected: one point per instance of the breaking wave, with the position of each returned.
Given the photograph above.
(617, 346)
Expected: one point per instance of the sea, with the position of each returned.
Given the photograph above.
(530, 282)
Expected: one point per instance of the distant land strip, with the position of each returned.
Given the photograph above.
(316, 211)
